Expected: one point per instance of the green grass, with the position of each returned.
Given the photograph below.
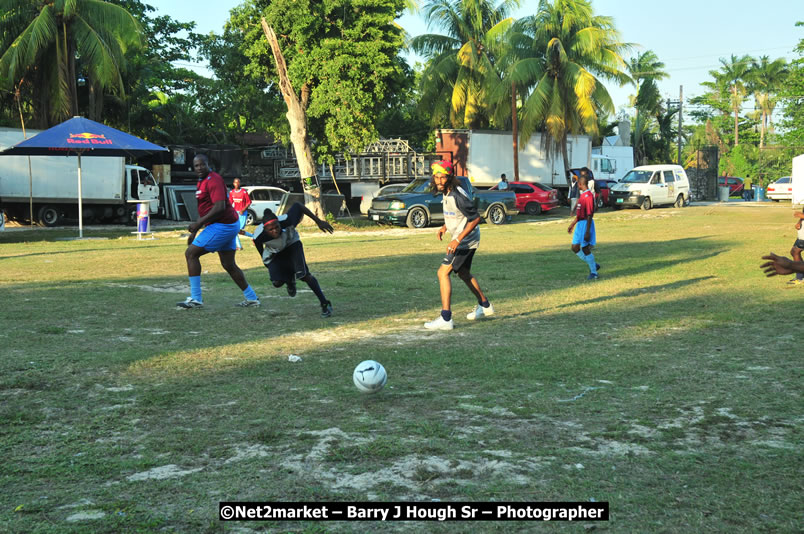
(670, 388)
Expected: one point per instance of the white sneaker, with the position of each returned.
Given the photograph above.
(249, 303)
(440, 324)
(481, 312)
(190, 303)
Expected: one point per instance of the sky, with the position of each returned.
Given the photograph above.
(689, 36)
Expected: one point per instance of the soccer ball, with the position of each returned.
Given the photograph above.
(369, 376)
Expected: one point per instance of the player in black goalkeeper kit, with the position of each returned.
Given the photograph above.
(281, 249)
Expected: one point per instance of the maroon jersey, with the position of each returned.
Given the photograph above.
(586, 205)
(210, 190)
(239, 200)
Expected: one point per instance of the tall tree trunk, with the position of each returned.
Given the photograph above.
(73, 77)
(565, 155)
(297, 118)
(762, 127)
(515, 127)
(736, 113)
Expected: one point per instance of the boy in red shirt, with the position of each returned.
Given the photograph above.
(584, 237)
(240, 201)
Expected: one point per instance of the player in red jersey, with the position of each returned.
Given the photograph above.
(240, 201)
(584, 237)
(221, 225)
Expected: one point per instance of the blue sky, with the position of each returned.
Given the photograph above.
(688, 36)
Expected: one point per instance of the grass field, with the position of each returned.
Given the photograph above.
(670, 388)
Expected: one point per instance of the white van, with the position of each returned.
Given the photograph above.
(652, 185)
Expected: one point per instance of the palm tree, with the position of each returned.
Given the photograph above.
(567, 50)
(461, 69)
(766, 78)
(42, 40)
(645, 69)
(733, 75)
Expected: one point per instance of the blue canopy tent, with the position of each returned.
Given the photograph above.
(79, 136)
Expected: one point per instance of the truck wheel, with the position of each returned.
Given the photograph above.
(496, 214)
(599, 203)
(533, 208)
(417, 218)
(646, 205)
(680, 201)
(251, 218)
(50, 216)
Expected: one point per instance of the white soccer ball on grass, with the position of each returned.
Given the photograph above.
(369, 376)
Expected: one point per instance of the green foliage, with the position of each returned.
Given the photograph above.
(342, 59)
(47, 47)
(462, 85)
(792, 96)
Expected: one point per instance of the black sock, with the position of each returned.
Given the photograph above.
(485, 303)
(313, 283)
(446, 315)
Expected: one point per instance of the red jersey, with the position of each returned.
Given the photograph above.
(586, 205)
(210, 190)
(239, 199)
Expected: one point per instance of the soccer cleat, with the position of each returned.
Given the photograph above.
(439, 324)
(326, 309)
(592, 276)
(481, 312)
(291, 289)
(795, 281)
(249, 303)
(190, 303)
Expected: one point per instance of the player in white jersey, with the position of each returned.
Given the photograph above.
(460, 220)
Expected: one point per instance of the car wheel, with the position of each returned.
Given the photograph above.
(50, 215)
(646, 204)
(533, 208)
(599, 202)
(417, 218)
(496, 214)
(679, 201)
(251, 218)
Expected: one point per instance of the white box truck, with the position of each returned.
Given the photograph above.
(482, 155)
(110, 188)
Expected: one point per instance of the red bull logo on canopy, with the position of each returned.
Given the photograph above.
(87, 138)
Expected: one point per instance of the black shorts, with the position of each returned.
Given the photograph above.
(289, 265)
(461, 259)
(799, 244)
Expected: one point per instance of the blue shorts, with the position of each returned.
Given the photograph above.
(218, 236)
(580, 230)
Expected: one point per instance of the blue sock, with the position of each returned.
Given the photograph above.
(581, 255)
(446, 315)
(799, 276)
(316, 287)
(195, 288)
(485, 303)
(250, 294)
(590, 259)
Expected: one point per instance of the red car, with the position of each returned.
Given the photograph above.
(736, 185)
(532, 197)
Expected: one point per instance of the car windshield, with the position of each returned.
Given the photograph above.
(637, 177)
(421, 185)
(543, 187)
(784, 180)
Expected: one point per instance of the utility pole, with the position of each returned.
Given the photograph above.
(680, 110)
(679, 103)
